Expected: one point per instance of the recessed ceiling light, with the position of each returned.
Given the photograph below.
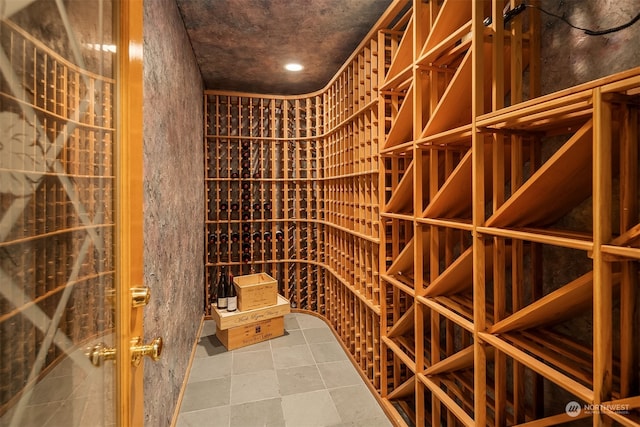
(293, 67)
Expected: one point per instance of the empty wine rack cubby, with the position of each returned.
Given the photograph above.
(473, 243)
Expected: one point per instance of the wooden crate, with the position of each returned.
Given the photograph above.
(256, 291)
(253, 333)
(225, 319)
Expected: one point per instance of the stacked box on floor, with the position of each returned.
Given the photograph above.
(260, 314)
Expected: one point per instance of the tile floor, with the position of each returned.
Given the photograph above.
(301, 379)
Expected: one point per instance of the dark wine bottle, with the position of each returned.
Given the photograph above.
(246, 237)
(256, 207)
(212, 238)
(279, 235)
(222, 289)
(245, 144)
(235, 206)
(246, 248)
(246, 257)
(223, 207)
(246, 173)
(267, 236)
(235, 175)
(224, 238)
(232, 296)
(257, 236)
(235, 236)
(246, 227)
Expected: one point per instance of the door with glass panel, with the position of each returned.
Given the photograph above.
(60, 286)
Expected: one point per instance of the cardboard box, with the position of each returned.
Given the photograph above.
(225, 319)
(256, 291)
(253, 333)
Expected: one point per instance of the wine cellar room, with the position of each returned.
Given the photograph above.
(431, 217)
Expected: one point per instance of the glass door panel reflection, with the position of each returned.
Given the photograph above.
(56, 212)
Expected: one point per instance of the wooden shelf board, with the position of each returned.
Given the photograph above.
(450, 403)
(404, 261)
(559, 353)
(454, 108)
(580, 241)
(403, 217)
(404, 390)
(441, 307)
(402, 197)
(404, 324)
(432, 52)
(456, 278)
(395, 348)
(554, 189)
(463, 359)
(451, 17)
(398, 150)
(403, 57)
(554, 307)
(459, 135)
(453, 199)
(457, 223)
(402, 127)
(579, 94)
(408, 289)
(560, 379)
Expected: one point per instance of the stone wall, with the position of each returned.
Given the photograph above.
(570, 57)
(173, 207)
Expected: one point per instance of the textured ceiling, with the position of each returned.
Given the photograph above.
(243, 45)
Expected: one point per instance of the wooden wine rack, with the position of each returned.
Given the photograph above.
(474, 244)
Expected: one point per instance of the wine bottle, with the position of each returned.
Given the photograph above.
(246, 257)
(235, 175)
(279, 235)
(235, 236)
(212, 238)
(246, 227)
(223, 207)
(246, 248)
(246, 237)
(267, 236)
(256, 207)
(235, 206)
(222, 289)
(232, 296)
(257, 236)
(224, 238)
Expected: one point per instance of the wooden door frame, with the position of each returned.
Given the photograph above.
(129, 201)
